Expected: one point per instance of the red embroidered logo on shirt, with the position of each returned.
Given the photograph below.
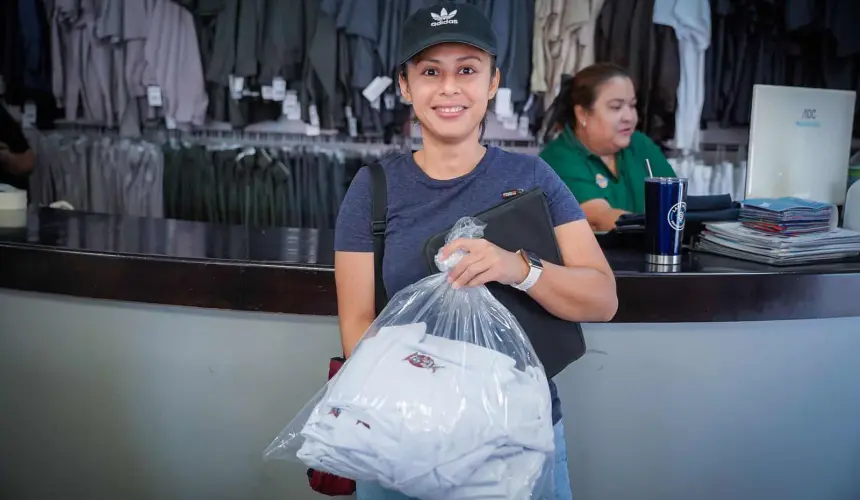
(419, 360)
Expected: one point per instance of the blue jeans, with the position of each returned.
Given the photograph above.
(560, 487)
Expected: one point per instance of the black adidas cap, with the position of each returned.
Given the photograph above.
(446, 22)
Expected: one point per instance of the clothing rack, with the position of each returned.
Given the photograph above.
(326, 139)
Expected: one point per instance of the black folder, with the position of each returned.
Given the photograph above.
(524, 222)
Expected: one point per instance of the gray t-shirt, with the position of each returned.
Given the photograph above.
(420, 207)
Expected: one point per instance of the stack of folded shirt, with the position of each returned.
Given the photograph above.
(786, 216)
(433, 418)
(781, 232)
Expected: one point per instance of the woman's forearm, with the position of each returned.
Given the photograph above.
(601, 216)
(576, 293)
(605, 220)
(351, 332)
(18, 163)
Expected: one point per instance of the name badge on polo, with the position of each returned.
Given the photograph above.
(601, 181)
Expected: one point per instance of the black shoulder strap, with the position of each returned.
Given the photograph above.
(378, 222)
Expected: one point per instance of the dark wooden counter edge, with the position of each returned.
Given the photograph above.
(280, 288)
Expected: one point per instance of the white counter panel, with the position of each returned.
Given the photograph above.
(114, 400)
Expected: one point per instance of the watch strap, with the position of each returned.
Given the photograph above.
(531, 279)
(534, 271)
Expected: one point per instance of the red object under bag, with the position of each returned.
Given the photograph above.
(323, 482)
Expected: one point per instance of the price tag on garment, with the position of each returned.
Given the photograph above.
(373, 91)
(153, 96)
(268, 92)
(314, 116)
(279, 89)
(294, 113)
(170, 123)
(312, 130)
(376, 104)
(237, 86)
(347, 111)
(390, 99)
(291, 98)
(510, 122)
(504, 106)
(352, 125)
(523, 128)
(290, 107)
(28, 118)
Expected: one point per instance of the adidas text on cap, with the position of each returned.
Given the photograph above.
(446, 22)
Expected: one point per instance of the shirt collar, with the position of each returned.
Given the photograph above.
(574, 142)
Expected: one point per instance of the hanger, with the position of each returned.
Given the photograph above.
(266, 155)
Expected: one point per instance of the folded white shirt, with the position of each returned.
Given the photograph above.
(432, 418)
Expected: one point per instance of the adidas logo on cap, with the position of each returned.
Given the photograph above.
(443, 17)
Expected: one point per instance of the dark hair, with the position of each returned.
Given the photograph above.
(404, 66)
(578, 90)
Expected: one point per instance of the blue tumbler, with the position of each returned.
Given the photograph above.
(665, 215)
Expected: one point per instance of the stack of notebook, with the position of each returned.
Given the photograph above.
(781, 231)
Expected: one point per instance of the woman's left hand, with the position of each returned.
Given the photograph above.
(484, 262)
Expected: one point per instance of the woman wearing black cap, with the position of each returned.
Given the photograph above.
(449, 75)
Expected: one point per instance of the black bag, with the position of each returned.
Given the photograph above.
(524, 222)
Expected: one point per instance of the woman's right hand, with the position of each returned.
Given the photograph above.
(601, 216)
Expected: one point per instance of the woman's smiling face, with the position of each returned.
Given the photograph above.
(450, 86)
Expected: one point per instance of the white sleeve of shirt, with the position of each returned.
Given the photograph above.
(694, 16)
(691, 20)
(664, 13)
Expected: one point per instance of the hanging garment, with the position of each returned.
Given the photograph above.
(259, 186)
(283, 43)
(98, 59)
(563, 42)
(98, 174)
(106, 52)
(173, 63)
(691, 20)
(25, 59)
(513, 22)
(627, 36)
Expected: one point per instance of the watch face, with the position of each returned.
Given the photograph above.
(533, 259)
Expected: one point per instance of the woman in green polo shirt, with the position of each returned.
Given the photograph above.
(598, 151)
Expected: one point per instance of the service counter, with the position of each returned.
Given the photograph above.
(156, 359)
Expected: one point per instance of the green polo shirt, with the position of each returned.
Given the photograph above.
(589, 179)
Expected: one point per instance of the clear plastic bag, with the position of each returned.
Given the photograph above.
(443, 398)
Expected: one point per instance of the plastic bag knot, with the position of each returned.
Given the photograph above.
(466, 227)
